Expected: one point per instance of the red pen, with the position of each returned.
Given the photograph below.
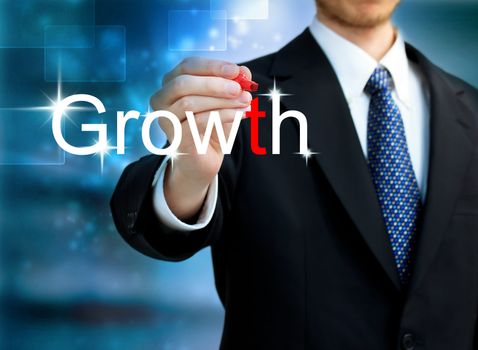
(246, 84)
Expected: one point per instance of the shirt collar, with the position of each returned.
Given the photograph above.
(353, 66)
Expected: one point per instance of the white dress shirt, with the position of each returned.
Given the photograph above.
(353, 67)
(166, 215)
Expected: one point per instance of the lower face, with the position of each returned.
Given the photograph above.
(358, 13)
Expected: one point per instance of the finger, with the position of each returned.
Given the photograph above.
(167, 127)
(204, 67)
(201, 120)
(227, 116)
(185, 85)
(246, 71)
(198, 104)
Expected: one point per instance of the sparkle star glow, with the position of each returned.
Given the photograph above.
(103, 150)
(54, 105)
(57, 106)
(306, 155)
(275, 95)
(174, 155)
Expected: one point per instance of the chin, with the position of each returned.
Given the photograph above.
(360, 13)
(365, 18)
(368, 18)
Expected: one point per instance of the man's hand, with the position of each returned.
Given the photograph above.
(201, 86)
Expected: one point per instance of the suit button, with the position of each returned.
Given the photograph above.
(131, 219)
(408, 341)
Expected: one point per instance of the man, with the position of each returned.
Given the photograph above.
(373, 244)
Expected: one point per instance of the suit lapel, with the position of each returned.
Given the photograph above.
(450, 153)
(302, 69)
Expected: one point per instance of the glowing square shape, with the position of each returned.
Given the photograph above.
(244, 9)
(193, 30)
(22, 22)
(26, 138)
(104, 62)
(80, 37)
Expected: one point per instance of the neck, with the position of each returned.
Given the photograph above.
(375, 40)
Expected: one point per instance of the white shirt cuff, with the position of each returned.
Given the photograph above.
(166, 215)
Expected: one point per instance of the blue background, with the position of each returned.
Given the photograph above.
(67, 280)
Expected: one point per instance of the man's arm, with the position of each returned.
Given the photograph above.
(139, 225)
(138, 221)
(199, 86)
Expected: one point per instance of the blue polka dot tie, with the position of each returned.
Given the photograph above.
(392, 172)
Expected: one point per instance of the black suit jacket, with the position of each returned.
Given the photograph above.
(301, 256)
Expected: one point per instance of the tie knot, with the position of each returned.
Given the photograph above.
(379, 81)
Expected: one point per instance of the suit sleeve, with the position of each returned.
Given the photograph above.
(475, 341)
(137, 222)
(472, 101)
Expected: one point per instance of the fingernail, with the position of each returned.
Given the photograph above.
(232, 88)
(245, 98)
(229, 69)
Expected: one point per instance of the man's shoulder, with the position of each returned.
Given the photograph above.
(466, 92)
(459, 84)
(261, 68)
(456, 84)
